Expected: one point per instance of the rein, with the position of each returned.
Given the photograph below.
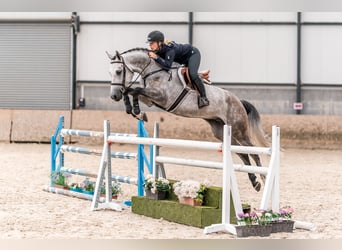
(125, 89)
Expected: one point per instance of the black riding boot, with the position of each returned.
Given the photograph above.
(202, 99)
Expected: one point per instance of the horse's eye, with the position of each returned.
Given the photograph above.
(118, 71)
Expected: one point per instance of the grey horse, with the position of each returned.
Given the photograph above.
(168, 91)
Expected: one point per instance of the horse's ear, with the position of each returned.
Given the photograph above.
(109, 56)
(117, 54)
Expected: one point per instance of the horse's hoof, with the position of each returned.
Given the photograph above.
(142, 116)
(257, 186)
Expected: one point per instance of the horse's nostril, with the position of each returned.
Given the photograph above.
(116, 97)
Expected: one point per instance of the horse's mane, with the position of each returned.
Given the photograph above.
(135, 49)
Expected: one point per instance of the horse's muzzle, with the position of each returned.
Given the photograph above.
(115, 94)
(116, 97)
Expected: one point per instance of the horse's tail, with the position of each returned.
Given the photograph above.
(256, 131)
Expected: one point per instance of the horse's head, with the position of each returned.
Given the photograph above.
(120, 74)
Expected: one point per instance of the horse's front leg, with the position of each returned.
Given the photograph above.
(136, 107)
(149, 95)
(127, 103)
(136, 110)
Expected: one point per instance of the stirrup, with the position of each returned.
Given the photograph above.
(202, 102)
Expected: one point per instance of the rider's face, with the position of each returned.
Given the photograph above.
(154, 46)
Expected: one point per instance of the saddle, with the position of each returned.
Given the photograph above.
(183, 73)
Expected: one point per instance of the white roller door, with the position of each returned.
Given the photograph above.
(35, 65)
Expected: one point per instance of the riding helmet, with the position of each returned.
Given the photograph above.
(155, 36)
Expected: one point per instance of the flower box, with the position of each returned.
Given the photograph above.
(76, 189)
(189, 201)
(282, 226)
(253, 230)
(60, 186)
(88, 192)
(158, 195)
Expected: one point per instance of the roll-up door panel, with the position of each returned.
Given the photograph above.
(35, 65)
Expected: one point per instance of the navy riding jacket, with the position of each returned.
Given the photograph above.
(174, 52)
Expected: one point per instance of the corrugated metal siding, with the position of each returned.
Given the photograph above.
(35, 65)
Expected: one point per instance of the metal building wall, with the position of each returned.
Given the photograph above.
(35, 64)
(275, 60)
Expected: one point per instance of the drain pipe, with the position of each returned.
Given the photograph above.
(298, 106)
(75, 22)
(191, 27)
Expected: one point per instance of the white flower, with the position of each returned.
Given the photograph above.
(161, 184)
(187, 188)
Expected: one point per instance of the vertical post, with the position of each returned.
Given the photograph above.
(155, 151)
(271, 188)
(53, 159)
(140, 160)
(102, 167)
(105, 173)
(61, 142)
(229, 187)
(226, 152)
(55, 150)
(108, 173)
(276, 152)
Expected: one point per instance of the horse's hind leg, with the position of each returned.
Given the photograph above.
(257, 161)
(217, 128)
(245, 158)
(252, 177)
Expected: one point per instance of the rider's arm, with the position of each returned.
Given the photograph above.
(166, 62)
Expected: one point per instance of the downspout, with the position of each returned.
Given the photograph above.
(299, 80)
(75, 22)
(191, 27)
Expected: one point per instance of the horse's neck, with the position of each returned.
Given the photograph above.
(138, 62)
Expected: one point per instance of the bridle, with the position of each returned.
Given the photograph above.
(125, 89)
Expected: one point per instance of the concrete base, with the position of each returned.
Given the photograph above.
(308, 131)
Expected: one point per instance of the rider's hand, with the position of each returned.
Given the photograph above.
(152, 54)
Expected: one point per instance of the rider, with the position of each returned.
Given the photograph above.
(165, 53)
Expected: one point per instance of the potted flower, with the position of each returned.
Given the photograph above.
(255, 223)
(76, 187)
(156, 188)
(282, 221)
(285, 213)
(115, 189)
(88, 186)
(60, 179)
(190, 192)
